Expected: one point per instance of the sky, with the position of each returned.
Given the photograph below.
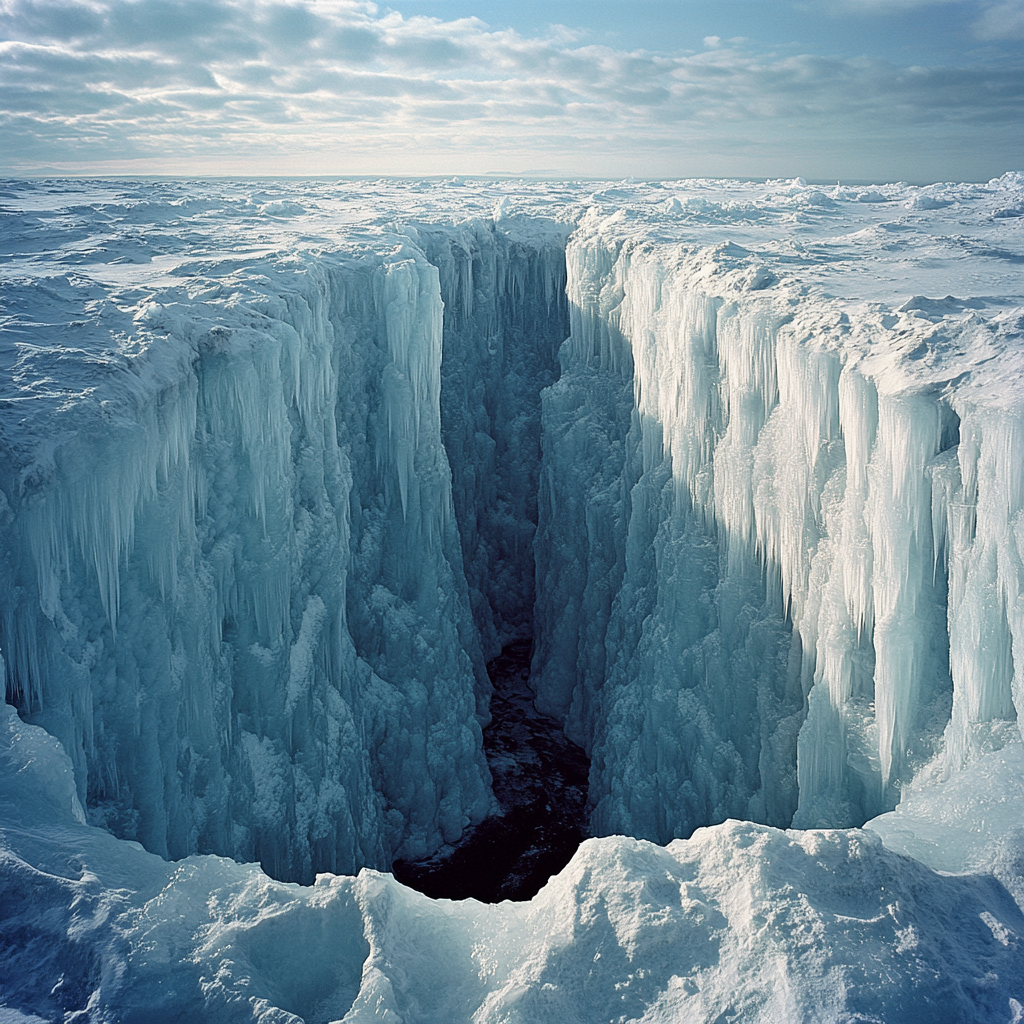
(855, 90)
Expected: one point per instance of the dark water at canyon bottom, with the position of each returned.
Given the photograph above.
(540, 782)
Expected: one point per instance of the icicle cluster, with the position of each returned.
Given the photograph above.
(239, 603)
(745, 549)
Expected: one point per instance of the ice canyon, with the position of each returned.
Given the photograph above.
(285, 465)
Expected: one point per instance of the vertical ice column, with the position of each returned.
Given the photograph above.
(673, 332)
(665, 657)
(191, 632)
(909, 633)
(754, 606)
(982, 508)
(407, 602)
(750, 391)
(878, 636)
(796, 456)
(843, 510)
(595, 272)
(408, 296)
(700, 692)
(838, 758)
(273, 523)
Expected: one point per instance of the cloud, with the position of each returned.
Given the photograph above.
(181, 80)
(1003, 20)
(991, 19)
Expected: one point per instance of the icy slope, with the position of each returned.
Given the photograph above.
(739, 922)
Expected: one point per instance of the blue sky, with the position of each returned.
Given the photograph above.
(828, 89)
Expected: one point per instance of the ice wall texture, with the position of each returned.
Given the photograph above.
(275, 479)
(505, 316)
(780, 539)
(233, 583)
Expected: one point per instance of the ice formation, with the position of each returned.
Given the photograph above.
(236, 561)
(282, 467)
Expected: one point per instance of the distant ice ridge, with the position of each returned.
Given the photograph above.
(781, 538)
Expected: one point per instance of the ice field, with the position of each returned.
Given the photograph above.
(284, 464)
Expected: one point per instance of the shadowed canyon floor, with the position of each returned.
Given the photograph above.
(540, 781)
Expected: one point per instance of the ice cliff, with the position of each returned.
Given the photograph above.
(236, 595)
(282, 468)
(790, 588)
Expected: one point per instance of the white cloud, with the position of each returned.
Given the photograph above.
(1003, 20)
(324, 85)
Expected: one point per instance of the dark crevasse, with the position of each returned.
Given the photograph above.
(505, 318)
(540, 782)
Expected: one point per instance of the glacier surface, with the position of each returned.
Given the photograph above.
(285, 463)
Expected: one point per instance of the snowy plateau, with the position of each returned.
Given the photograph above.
(285, 464)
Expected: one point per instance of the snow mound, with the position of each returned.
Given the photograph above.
(741, 921)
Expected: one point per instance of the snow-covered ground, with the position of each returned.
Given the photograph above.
(284, 463)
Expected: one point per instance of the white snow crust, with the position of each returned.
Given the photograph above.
(741, 921)
(284, 463)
